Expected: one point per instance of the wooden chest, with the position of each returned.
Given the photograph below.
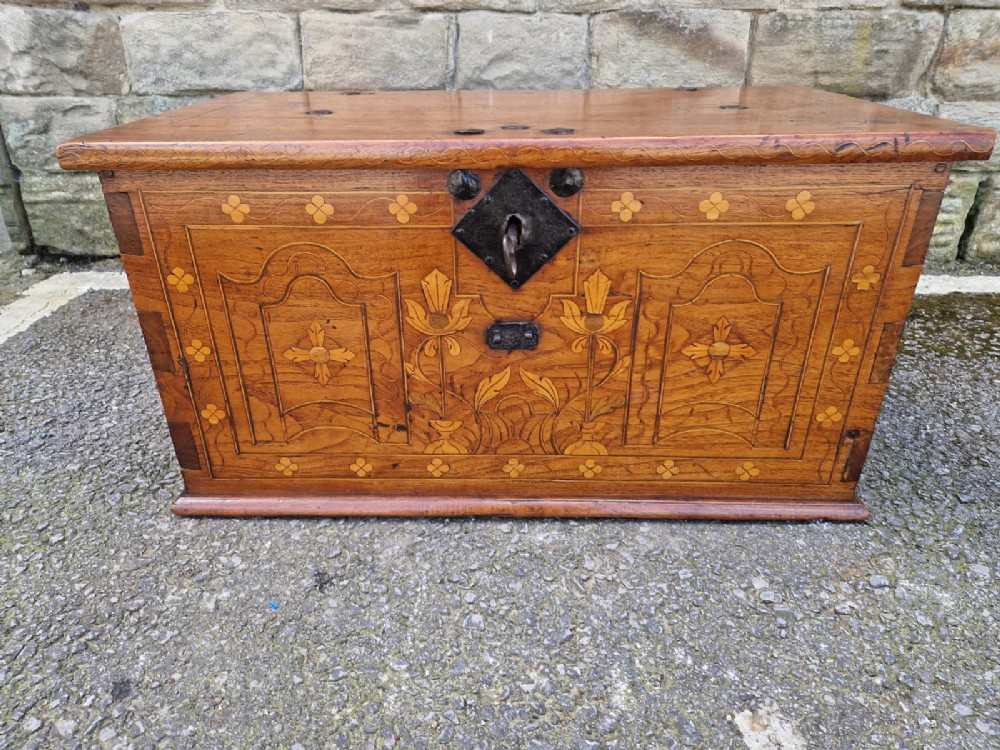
(656, 303)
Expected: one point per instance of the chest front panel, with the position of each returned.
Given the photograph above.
(705, 329)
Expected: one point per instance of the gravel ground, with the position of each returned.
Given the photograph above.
(123, 626)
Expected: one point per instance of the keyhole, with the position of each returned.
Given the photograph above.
(512, 235)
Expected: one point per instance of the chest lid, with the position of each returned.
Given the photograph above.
(487, 129)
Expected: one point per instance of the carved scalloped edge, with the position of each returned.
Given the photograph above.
(489, 154)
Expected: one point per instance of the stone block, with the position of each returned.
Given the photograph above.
(984, 240)
(669, 48)
(375, 51)
(499, 50)
(6, 169)
(197, 52)
(299, 5)
(949, 4)
(610, 6)
(586, 6)
(150, 4)
(34, 126)
(869, 54)
(606, 6)
(45, 51)
(13, 232)
(969, 63)
(132, 108)
(68, 215)
(958, 200)
(986, 114)
(507, 6)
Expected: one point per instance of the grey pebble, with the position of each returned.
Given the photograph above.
(475, 622)
(606, 723)
(32, 724)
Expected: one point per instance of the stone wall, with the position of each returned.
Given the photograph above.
(69, 67)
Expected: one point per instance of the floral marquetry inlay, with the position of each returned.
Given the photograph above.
(402, 208)
(197, 350)
(286, 466)
(594, 323)
(362, 467)
(845, 351)
(235, 209)
(726, 347)
(800, 205)
(319, 209)
(180, 279)
(626, 207)
(213, 414)
(438, 468)
(747, 471)
(714, 207)
(866, 279)
(829, 416)
(667, 469)
(513, 468)
(590, 468)
(436, 320)
(319, 355)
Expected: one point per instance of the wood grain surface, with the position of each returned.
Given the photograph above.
(706, 349)
(714, 339)
(578, 128)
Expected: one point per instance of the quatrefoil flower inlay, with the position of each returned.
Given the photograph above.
(714, 207)
(845, 351)
(727, 348)
(213, 414)
(180, 279)
(402, 208)
(197, 350)
(362, 467)
(867, 279)
(590, 468)
(667, 469)
(286, 466)
(235, 209)
(829, 416)
(747, 471)
(626, 207)
(438, 468)
(319, 209)
(800, 205)
(319, 355)
(513, 468)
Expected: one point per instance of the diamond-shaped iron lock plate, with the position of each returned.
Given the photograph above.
(536, 228)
